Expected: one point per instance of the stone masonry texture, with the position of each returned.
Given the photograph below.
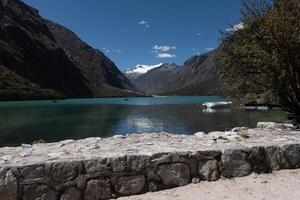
(105, 168)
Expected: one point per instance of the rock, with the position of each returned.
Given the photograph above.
(196, 180)
(137, 163)
(38, 192)
(222, 138)
(97, 190)
(235, 163)
(33, 171)
(117, 164)
(8, 185)
(64, 171)
(71, 194)
(267, 125)
(200, 134)
(97, 165)
(6, 157)
(289, 126)
(274, 125)
(26, 153)
(81, 182)
(130, 185)
(257, 160)
(275, 158)
(119, 137)
(238, 129)
(292, 153)
(208, 170)
(173, 175)
(161, 158)
(153, 187)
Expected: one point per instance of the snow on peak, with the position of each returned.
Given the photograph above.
(142, 69)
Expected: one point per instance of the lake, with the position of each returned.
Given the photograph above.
(24, 122)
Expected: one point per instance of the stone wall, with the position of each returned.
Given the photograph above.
(135, 173)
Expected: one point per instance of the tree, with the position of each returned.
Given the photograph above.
(264, 55)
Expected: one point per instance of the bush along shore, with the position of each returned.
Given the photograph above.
(97, 168)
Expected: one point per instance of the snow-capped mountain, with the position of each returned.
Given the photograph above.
(138, 70)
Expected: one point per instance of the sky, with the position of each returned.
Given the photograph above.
(132, 32)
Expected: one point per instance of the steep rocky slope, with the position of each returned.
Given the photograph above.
(15, 87)
(99, 70)
(197, 76)
(29, 50)
(157, 80)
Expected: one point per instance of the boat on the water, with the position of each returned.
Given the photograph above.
(254, 105)
(219, 104)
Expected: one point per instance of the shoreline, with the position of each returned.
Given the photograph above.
(135, 164)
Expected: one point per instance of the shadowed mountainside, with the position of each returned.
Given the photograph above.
(197, 76)
(30, 50)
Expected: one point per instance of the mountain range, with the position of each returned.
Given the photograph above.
(138, 70)
(197, 76)
(46, 60)
(41, 59)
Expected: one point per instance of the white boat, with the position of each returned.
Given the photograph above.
(219, 104)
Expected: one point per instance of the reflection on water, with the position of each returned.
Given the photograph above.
(52, 123)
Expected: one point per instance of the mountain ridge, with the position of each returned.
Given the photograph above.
(139, 69)
(29, 49)
(197, 76)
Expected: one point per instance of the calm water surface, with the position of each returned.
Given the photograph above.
(24, 122)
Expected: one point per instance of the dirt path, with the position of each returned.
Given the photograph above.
(282, 185)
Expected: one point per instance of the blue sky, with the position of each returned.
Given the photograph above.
(134, 32)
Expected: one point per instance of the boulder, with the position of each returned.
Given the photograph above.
(64, 171)
(275, 158)
(292, 153)
(173, 175)
(97, 190)
(130, 185)
(71, 194)
(39, 192)
(235, 163)
(8, 185)
(208, 170)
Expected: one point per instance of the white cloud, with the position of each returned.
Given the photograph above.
(165, 55)
(163, 48)
(143, 22)
(161, 51)
(235, 27)
(108, 50)
(199, 34)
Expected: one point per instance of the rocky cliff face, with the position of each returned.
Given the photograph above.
(29, 49)
(157, 80)
(197, 76)
(99, 70)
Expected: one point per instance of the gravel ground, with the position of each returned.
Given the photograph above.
(281, 185)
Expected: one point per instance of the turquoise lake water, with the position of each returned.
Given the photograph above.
(24, 122)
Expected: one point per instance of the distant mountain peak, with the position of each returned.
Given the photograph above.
(142, 69)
